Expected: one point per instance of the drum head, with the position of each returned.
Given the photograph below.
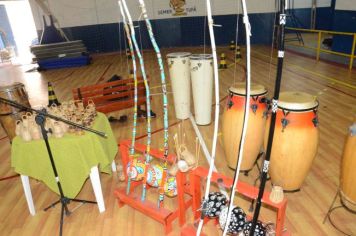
(11, 87)
(297, 101)
(256, 89)
(201, 57)
(178, 54)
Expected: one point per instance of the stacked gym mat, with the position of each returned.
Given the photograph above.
(60, 55)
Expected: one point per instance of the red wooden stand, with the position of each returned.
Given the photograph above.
(243, 188)
(162, 215)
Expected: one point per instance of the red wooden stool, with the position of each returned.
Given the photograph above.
(244, 189)
(162, 215)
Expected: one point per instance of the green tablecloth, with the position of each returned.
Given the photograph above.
(74, 156)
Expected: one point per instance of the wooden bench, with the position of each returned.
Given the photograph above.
(112, 96)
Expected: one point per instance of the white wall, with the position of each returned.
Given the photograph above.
(308, 3)
(349, 5)
(89, 12)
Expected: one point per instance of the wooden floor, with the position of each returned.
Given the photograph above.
(334, 86)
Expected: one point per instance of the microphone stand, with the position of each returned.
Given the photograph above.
(282, 22)
(40, 120)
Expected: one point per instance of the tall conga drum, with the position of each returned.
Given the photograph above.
(295, 140)
(232, 123)
(179, 72)
(348, 170)
(201, 69)
(8, 114)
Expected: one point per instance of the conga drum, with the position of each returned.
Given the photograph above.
(232, 123)
(201, 69)
(8, 114)
(348, 171)
(179, 72)
(295, 140)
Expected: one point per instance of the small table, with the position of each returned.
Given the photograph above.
(76, 157)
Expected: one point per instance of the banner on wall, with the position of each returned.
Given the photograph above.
(178, 8)
(90, 12)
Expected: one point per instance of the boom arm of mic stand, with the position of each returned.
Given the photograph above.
(25, 108)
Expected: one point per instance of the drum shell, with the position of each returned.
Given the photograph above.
(9, 114)
(294, 147)
(8, 123)
(202, 87)
(179, 72)
(348, 174)
(232, 123)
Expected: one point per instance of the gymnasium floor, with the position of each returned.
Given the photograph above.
(311, 42)
(333, 85)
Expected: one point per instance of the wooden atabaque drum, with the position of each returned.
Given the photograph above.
(295, 140)
(233, 120)
(202, 78)
(8, 114)
(179, 72)
(348, 171)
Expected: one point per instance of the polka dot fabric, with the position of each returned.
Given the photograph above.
(260, 230)
(237, 221)
(216, 202)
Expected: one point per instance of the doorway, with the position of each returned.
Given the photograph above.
(18, 30)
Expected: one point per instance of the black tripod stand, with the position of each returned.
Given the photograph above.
(40, 120)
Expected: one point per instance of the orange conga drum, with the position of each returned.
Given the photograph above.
(233, 120)
(348, 171)
(295, 140)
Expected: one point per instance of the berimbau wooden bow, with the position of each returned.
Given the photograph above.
(132, 52)
(282, 22)
(246, 115)
(165, 99)
(142, 65)
(216, 122)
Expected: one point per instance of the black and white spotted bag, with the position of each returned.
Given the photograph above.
(260, 230)
(237, 221)
(216, 202)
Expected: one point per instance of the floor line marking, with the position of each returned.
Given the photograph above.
(326, 77)
(317, 74)
(9, 177)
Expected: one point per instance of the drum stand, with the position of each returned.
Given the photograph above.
(40, 120)
(246, 172)
(332, 208)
